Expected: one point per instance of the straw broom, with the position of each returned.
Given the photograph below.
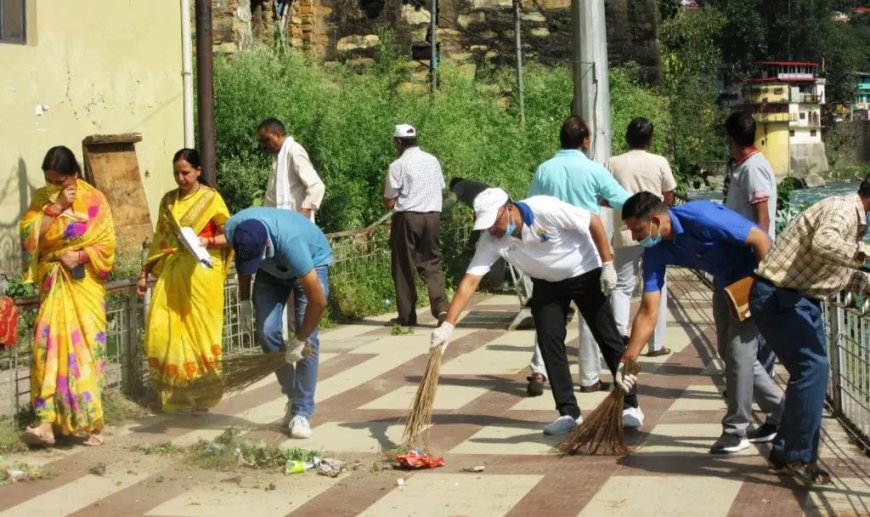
(601, 432)
(417, 423)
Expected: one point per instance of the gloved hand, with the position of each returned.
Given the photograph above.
(246, 314)
(608, 278)
(293, 353)
(625, 382)
(441, 335)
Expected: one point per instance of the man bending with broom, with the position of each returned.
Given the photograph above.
(561, 247)
(710, 237)
(290, 255)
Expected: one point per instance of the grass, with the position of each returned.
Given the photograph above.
(10, 436)
(118, 409)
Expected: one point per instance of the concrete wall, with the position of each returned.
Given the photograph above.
(94, 67)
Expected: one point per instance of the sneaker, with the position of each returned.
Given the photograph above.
(535, 387)
(299, 427)
(632, 418)
(764, 434)
(729, 444)
(563, 425)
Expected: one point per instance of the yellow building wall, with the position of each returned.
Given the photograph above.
(772, 139)
(766, 92)
(97, 67)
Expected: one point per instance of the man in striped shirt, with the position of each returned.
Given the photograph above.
(816, 257)
(412, 189)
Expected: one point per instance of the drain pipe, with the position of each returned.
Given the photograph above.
(187, 74)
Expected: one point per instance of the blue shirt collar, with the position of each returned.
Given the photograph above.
(571, 152)
(526, 213)
(676, 225)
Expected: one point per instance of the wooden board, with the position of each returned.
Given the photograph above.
(111, 166)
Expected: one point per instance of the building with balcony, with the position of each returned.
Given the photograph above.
(786, 99)
(861, 106)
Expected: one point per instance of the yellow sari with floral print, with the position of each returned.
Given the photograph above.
(185, 318)
(70, 340)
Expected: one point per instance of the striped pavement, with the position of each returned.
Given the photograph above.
(482, 417)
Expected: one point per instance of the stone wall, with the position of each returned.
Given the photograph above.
(470, 31)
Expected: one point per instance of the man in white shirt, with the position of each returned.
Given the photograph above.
(561, 247)
(293, 183)
(412, 190)
(638, 170)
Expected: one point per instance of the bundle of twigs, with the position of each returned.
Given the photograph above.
(416, 433)
(601, 431)
(237, 372)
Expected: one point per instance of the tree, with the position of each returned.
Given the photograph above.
(691, 55)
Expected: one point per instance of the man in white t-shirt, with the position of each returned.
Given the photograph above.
(561, 247)
(751, 192)
(638, 170)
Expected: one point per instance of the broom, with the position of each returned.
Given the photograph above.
(416, 425)
(601, 432)
(237, 373)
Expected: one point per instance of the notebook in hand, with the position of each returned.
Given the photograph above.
(188, 238)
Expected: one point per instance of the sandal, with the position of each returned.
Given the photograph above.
(809, 473)
(92, 440)
(33, 436)
(660, 352)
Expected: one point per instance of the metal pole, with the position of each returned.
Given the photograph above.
(591, 85)
(519, 44)
(187, 74)
(205, 89)
(433, 40)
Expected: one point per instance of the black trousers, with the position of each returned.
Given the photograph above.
(550, 301)
(414, 246)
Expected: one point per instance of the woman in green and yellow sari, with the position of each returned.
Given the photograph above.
(68, 246)
(185, 319)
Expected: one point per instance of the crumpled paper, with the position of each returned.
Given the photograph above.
(416, 459)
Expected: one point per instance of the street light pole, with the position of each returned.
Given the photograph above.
(591, 84)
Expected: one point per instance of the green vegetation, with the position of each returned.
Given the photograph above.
(10, 436)
(20, 471)
(229, 452)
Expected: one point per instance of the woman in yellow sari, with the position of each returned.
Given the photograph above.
(68, 245)
(185, 319)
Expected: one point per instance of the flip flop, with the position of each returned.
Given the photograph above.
(659, 352)
(32, 436)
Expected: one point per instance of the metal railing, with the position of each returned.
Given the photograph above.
(357, 253)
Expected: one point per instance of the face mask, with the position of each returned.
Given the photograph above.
(509, 231)
(649, 241)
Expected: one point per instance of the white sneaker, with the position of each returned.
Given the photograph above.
(563, 425)
(299, 427)
(632, 417)
(288, 416)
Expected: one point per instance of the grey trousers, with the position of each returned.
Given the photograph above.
(745, 378)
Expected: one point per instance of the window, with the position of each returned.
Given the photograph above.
(12, 21)
(791, 133)
(803, 115)
(812, 132)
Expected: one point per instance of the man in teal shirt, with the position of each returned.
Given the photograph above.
(572, 177)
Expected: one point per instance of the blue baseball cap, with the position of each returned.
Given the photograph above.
(249, 243)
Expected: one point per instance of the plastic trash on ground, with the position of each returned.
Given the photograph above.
(416, 459)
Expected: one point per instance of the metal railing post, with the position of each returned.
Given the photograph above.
(835, 318)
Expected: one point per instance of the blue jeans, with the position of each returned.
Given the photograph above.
(270, 299)
(793, 327)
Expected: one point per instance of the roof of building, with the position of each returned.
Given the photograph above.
(788, 63)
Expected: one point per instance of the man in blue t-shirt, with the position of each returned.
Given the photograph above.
(710, 237)
(290, 255)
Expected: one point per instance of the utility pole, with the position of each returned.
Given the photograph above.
(205, 89)
(433, 40)
(519, 44)
(591, 84)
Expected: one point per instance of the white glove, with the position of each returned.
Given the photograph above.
(625, 382)
(441, 335)
(293, 352)
(246, 314)
(608, 278)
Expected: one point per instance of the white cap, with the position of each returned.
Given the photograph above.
(404, 131)
(486, 206)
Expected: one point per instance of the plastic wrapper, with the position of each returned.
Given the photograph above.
(416, 459)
